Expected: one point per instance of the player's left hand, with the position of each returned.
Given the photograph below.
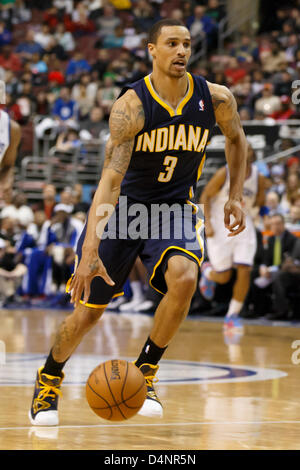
(234, 208)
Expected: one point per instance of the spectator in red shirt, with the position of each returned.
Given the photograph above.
(287, 110)
(9, 60)
(12, 109)
(234, 73)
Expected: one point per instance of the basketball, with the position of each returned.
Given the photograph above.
(116, 390)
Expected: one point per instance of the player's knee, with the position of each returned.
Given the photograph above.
(182, 278)
(87, 317)
(244, 271)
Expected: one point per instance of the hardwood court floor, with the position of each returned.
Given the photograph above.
(215, 395)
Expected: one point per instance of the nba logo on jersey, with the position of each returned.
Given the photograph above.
(201, 105)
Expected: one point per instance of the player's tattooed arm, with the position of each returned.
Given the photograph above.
(126, 121)
(228, 120)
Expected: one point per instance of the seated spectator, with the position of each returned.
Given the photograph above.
(145, 15)
(84, 93)
(268, 103)
(28, 47)
(114, 40)
(201, 25)
(64, 38)
(44, 36)
(245, 113)
(79, 205)
(92, 127)
(66, 198)
(5, 35)
(55, 51)
(42, 105)
(12, 108)
(215, 11)
(80, 21)
(67, 230)
(292, 186)
(293, 219)
(101, 63)
(257, 83)
(64, 6)
(38, 279)
(37, 64)
(234, 72)
(278, 181)
(11, 273)
(68, 141)
(76, 66)
(9, 60)
(285, 287)
(272, 58)
(283, 82)
(108, 93)
(108, 21)
(279, 246)
(19, 210)
(64, 114)
(246, 50)
(287, 110)
(273, 204)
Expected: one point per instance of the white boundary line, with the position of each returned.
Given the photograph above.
(199, 423)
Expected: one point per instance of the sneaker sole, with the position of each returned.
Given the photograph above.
(45, 418)
(151, 409)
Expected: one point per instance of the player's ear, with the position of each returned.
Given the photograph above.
(151, 49)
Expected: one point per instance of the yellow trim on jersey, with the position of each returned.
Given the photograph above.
(199, 261)
(92, 305)
(200, 241)
(199, 173)
(118, 295)
(188, 95)
(173, 112)
(194, 206)
(201, 167)
(100, 306)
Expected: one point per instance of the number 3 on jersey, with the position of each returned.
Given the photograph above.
(170, 163)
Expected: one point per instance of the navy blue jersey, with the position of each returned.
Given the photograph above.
(169, 152)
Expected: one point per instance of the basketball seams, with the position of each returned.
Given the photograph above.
(113, 397)
(127, 376)
(129, 398)
(124, 383)
(102, 398)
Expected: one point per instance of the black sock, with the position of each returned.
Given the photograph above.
(150, 354)
(52, 367)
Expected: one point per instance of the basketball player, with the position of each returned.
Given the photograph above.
(159, 128)
(10, 136)
(226, 253)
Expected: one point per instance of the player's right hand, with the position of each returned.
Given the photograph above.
(233, 208)
(89, 267)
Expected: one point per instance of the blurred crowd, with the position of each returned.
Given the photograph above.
(65, 62)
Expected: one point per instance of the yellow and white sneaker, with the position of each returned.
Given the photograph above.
(152, 407)
(43, 411)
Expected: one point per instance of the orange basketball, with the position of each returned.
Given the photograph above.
(116, 390)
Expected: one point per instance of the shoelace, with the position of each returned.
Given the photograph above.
(150, 379)
(46, 391)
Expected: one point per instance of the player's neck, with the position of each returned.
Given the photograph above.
(171, 90)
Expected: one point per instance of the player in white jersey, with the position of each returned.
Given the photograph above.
(225, 252)
(10, 136)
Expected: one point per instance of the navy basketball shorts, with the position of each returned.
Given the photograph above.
(153, 232)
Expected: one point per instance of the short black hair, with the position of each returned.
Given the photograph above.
(155, 30)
